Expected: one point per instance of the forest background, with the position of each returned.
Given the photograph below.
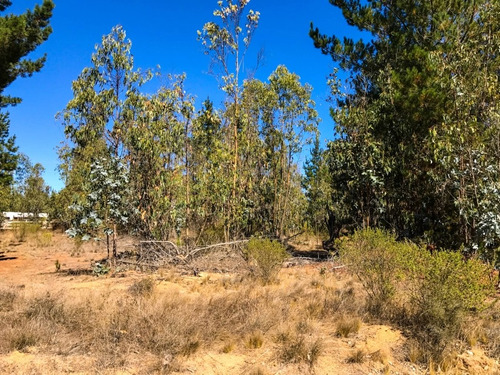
(415, 150)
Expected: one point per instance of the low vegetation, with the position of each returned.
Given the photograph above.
(430, 294)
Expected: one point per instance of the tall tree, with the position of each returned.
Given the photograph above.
(401, 93)
(227, 41)
(104, 107)
(19, 35)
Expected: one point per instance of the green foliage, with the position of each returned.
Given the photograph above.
(100, 269)
(266, 256)
(378, 261)
(19, 35)
(106, 205)
(449, 289)
(430, 292)
(416, 125)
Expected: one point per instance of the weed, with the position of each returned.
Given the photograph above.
(296, 349)
(143, 287)
(255, 340)
(266, 257)
(45, 308)
(228, 347)
(24, 229)
(58, 265)
(346, 326)
(7, 297)
(22, 340)
(44, 238)
(357, 356)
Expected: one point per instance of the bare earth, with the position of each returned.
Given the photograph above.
(31, 268)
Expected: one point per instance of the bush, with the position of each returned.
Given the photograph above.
(44, 238)
(23, 229)
(378, 261)
(431, 293)
(266, 257)
(449, 289)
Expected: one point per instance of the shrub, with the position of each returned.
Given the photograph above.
(23, 229)
(296, 349)
(266, 257)
(434, 291)
(44, 238)
(143, 287)
(378, 261)
(346, 326)
(7, 297)
(449, 289)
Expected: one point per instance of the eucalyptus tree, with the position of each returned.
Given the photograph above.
(289, 119)
(227, 41)
(106, 98)
(107, 204)
(157, 145)
(210, 162)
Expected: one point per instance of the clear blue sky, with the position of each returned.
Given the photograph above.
(163, 32)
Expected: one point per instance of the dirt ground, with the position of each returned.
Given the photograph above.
(31, 267)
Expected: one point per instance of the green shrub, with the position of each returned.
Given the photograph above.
(431, 293)
(450, 288)
(266, 257)
(23, 229)
(379, 262)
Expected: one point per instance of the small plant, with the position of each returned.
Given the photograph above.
(45, 308)
(296, 349)
(100, 269)
(58, 265)
(22, 340)
(255, 340)
(228, 348)
(143, 287)
(23, 229)
(357, 356)
(346, 326)
(7, 298)
(266, 257)
(44, 238)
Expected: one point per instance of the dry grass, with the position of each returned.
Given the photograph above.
(347, 326)
(159, 318)
(167, 322)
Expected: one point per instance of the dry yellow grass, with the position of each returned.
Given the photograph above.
(167, 322)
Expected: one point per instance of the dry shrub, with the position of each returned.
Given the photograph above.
(299, 348)
(7, 297)
(143, 287)
(346, 326)
(266, 258)
(357, 356)
(255, 340)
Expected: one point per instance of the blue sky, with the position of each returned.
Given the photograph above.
(162, 33)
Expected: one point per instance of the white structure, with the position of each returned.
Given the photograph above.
(15, 217)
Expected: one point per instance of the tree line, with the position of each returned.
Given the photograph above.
(416, 145)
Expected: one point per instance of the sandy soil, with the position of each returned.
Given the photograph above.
(32, 267)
